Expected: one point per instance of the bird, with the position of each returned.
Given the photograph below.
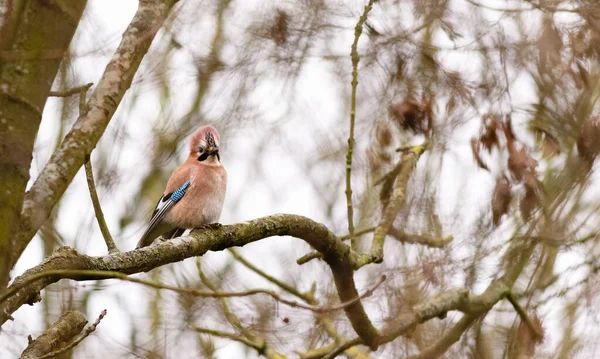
(195, 192)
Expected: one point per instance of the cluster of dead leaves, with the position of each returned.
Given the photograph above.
(409, 115)
(521, 167)
(412, 115)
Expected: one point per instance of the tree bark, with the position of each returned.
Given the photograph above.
(58, 335)
(34, 37)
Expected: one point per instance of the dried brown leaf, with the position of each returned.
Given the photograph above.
(532, 196)
(527, 339)
(550, 146)
(475, 150)
(489, 137)
(383, 135)
(588, 145)
(409, 115)
(520, 161)
(508, 132)
(500, 199)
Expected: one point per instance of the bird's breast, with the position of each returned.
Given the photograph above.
(203, 201)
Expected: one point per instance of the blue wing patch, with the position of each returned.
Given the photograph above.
(180, 192)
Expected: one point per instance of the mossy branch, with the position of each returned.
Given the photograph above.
(56, 336)
(64, 164)
(336, 254)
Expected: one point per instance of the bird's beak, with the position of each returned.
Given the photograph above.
(214, 151)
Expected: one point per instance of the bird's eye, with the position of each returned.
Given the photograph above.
(200, 149)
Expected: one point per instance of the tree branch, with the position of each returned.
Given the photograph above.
(247, 336)
(342, 348)
(73, 91)
(524, 317)
(423, 239)
(62, 331)
(338, 255)
(355, 58)
(407, 165)
(481, 304)
(89, 174)
(35, 27)
(89, 127)
(82, 274)
(89, 330)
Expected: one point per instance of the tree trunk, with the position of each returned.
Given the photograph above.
(34, 36)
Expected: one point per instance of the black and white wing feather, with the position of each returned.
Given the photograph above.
(163, 207)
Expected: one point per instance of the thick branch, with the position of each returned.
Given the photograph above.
(89, 330)
(58, 335)
(89, 127)
(335, 253)
(33, 27)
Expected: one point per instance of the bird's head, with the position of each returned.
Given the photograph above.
(205, 144)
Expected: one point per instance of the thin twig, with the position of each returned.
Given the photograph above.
(314, 255)
(82, 90)
(249, 338)
(308, 298)
(231, 318)
(89, 174)
(309, 257)
(524, 317)
(92, 274)
(342, 348)
(355, 58)
(270, 278)
(232, 336)
(77, 340)
(71, 92)
(360, 232)
(423, 239)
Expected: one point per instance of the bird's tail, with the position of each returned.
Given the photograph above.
(164, 229)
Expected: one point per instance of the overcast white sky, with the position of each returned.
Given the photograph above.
(248, 193)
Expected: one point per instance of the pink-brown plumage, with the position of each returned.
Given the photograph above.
(200, 135)
(203, 199)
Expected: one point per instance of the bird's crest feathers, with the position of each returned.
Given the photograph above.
(204, 136)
